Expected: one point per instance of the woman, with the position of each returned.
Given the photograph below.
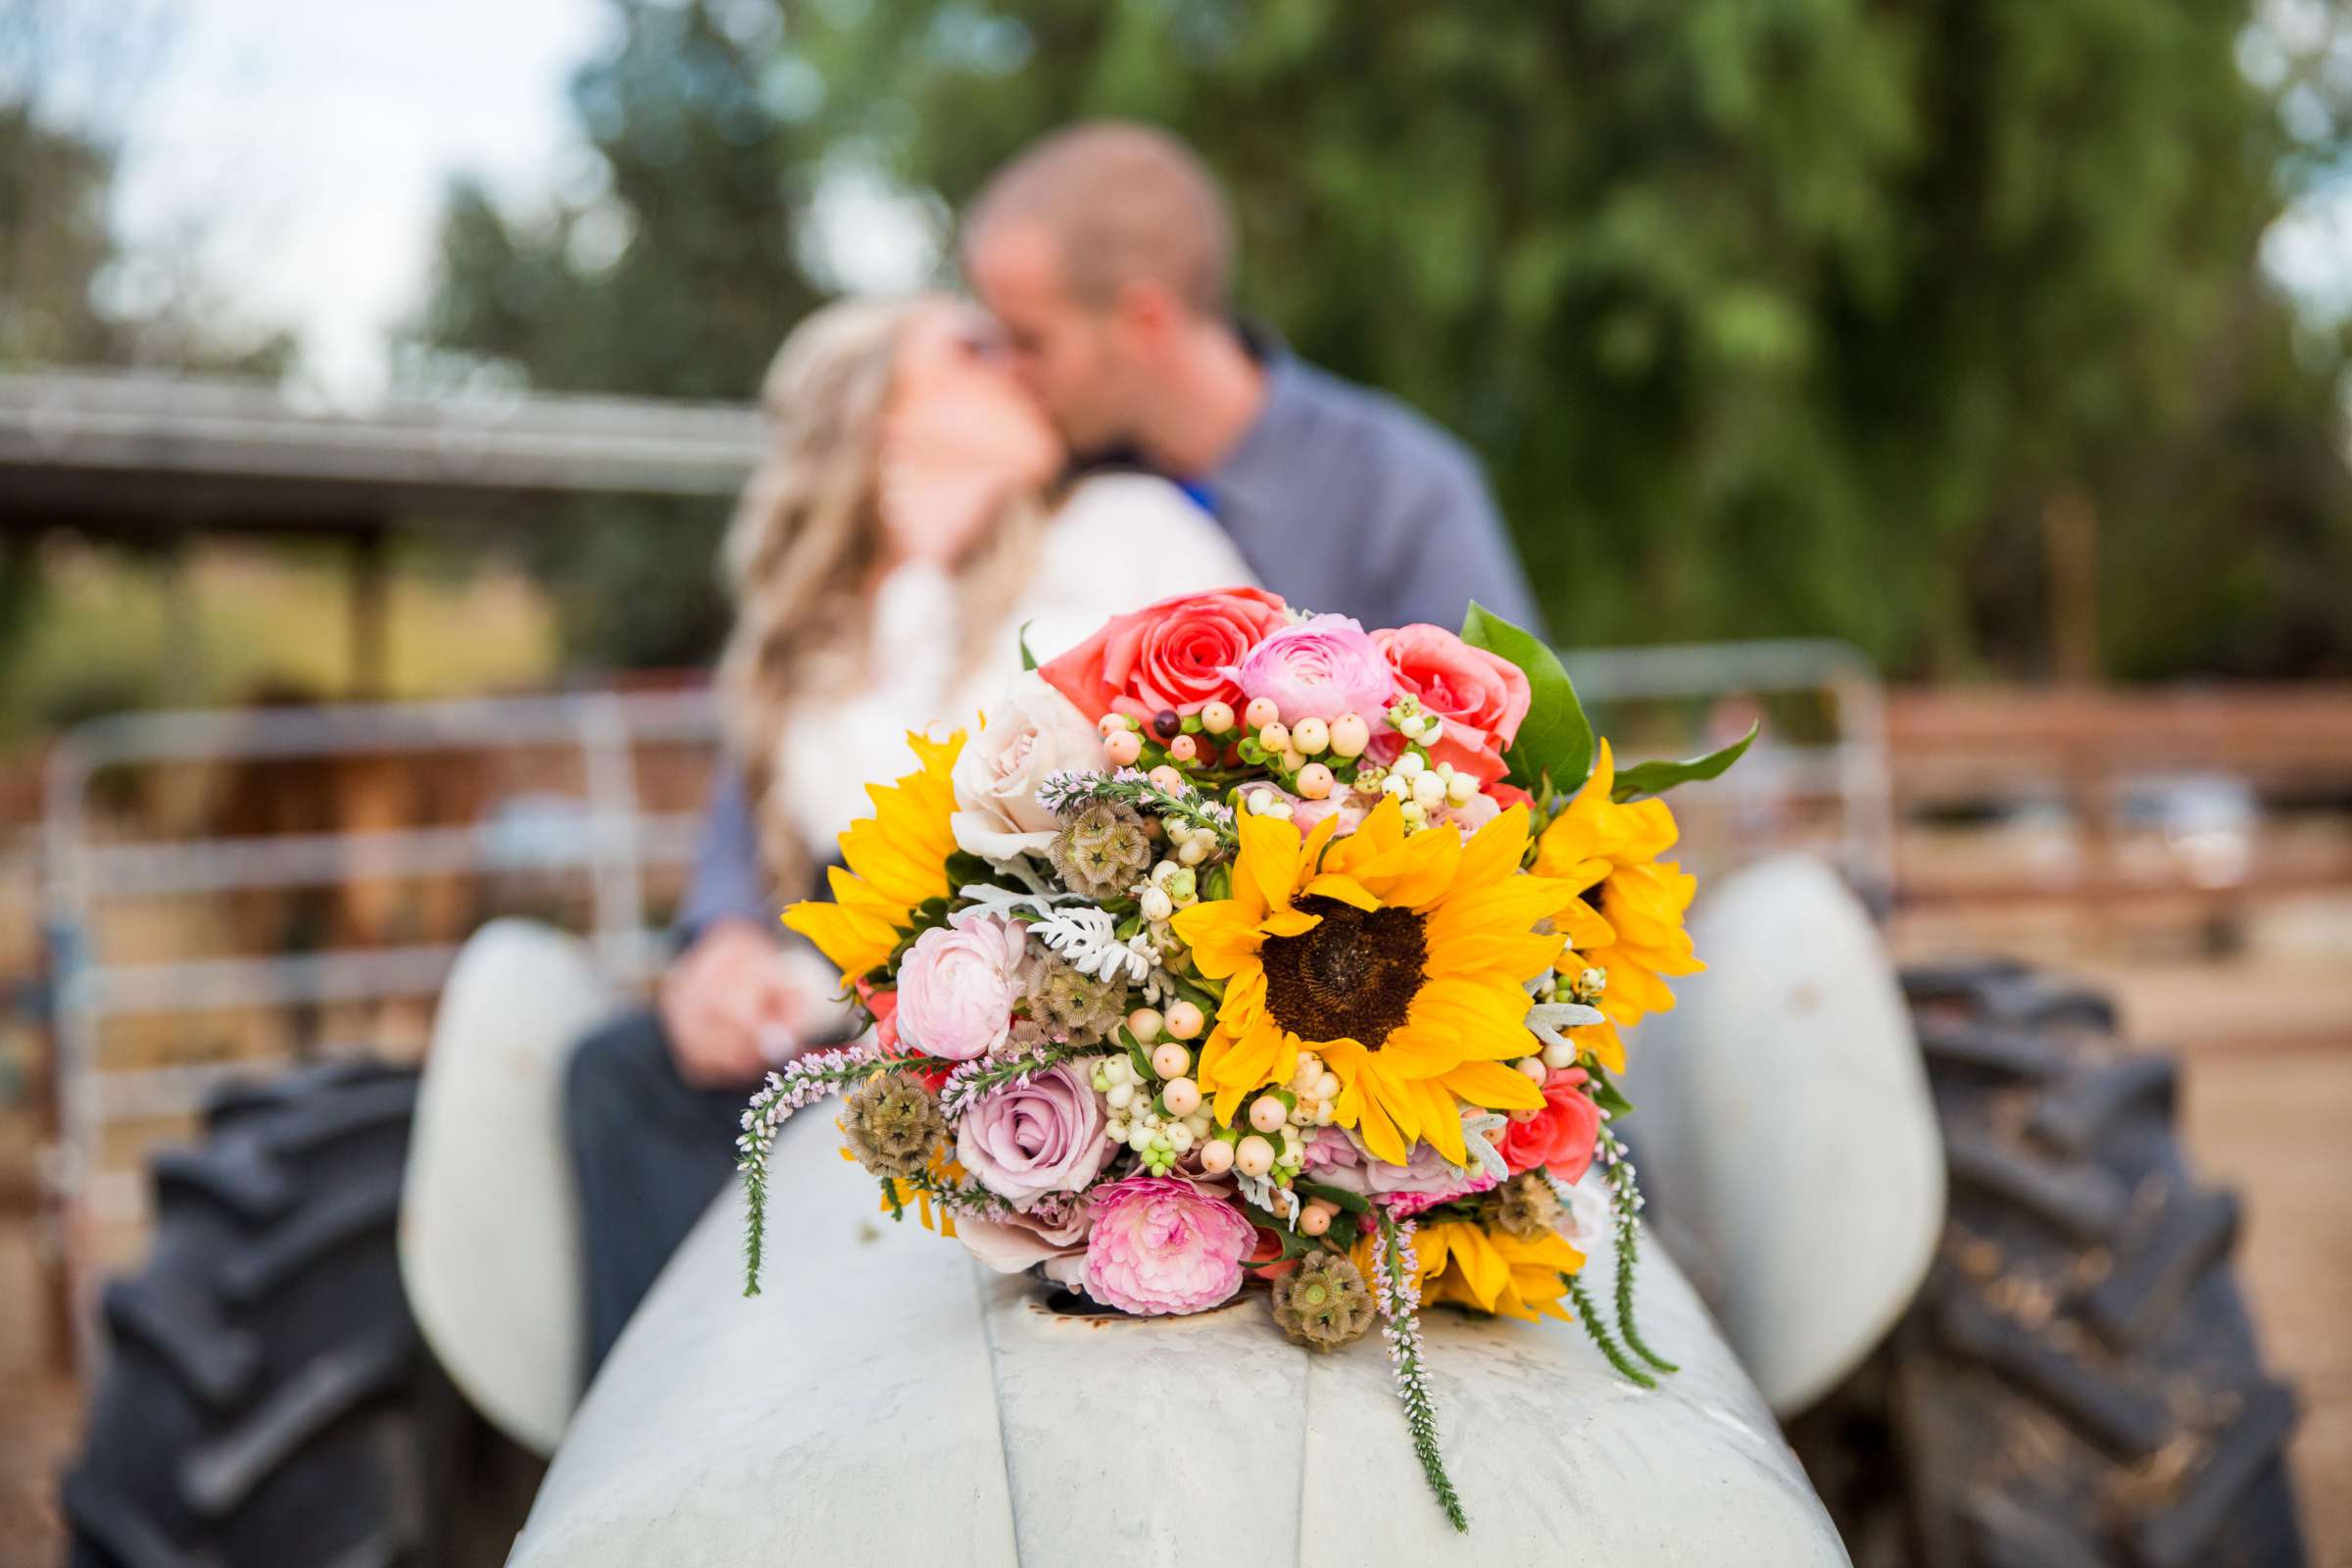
(887, 558)
(898, 544)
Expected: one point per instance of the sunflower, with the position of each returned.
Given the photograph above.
(1491, 1270)
(1597, 843)
(897, 861)
(1399, 960)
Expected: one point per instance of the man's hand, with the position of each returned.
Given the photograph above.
(726, 1003)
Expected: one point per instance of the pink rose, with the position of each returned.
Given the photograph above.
(1176, 655)
(1561, 1136)
(1482, 696)
(957, 984)
(1319, 669)
(1160, 1246)
(1029, 733)
(1053, 1230)
(1027, 1140)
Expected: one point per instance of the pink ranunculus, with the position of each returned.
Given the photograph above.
(1160, 1246)
(1321, 667)
(1174, 655)
(1339, 1159)
(957, 984)
(1482, 696)
(1028, 1141)
(1562, 1134)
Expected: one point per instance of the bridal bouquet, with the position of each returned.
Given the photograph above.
(1247, 945)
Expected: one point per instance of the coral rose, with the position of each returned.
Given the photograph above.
(1175, 655)
(957, 984)
(1560, 1137)
(1160, 1246)
(1321, 667)
(1482, 696)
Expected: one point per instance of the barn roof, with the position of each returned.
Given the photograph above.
(131, 453)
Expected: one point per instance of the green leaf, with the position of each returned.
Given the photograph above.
(1028, 658)
(1556, 740)
(1352, 1203)
(1656, 779)
(1138, 1057)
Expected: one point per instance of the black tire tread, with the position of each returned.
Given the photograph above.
(264, 1362)
(2078, 1383)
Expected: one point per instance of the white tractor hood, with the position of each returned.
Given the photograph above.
(888, 1401)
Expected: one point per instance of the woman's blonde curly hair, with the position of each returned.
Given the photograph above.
(806, 550)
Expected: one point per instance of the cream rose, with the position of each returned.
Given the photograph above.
(1032, 731)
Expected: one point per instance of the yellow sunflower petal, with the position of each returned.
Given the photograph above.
(1494, 850)
(1289, 923)
(1494, 1086)
(1481, 1267)
(1441, 1120)
(1602, 1040)
(1221, 934)
(1346, 889)
(1267, 868)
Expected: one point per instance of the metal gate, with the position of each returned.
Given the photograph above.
(604, 847)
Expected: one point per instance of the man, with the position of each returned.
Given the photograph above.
(1107, 250)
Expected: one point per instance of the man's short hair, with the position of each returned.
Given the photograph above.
(1123, 202)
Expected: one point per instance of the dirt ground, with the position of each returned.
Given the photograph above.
(2268, 1099)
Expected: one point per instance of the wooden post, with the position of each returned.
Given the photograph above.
(2070, 539)
(2069, 526)
(370, 616)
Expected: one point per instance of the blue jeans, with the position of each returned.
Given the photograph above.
(648, 1152)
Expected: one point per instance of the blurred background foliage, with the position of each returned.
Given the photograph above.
(1901, 320)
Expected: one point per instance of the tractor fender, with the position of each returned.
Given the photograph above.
(889, 1400)
(1786, 1135)
(489, 1216)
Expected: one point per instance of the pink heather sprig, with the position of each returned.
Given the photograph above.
(1396, 1288)
(792, 1088)
(975, 1080)
(958, 1198)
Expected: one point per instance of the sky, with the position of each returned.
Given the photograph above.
(294, 153)
(306, 144)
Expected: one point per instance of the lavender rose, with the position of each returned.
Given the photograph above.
(1030, 1139)
(1320, 668)
(957, 984)
(1162, 1246)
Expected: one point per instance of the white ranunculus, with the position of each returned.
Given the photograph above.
(1032, 731)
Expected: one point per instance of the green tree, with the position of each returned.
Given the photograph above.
(675, 275)
(1769, 315)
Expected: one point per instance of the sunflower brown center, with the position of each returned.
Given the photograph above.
(1352, 977)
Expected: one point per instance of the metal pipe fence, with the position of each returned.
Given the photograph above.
(609, 847)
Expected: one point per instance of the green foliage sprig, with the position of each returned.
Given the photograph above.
(1625, 1210)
